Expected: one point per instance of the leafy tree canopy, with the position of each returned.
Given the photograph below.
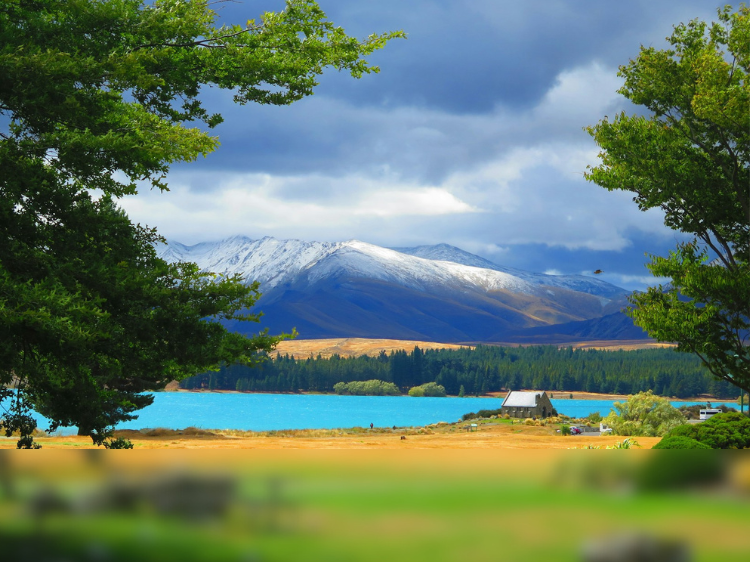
(644, 414)
(96, 99)
(690, 157)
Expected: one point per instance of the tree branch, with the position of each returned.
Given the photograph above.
(207, 43)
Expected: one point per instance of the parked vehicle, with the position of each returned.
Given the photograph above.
(708, 413)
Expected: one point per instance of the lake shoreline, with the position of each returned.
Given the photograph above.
(488, 435)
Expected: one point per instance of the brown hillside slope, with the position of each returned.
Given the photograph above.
(353, 347)
(348, 347)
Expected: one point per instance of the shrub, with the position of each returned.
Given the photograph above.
(565, 429)
(680, 442)
(483, 414)
(688, 430)
(644, 414)
(730, 430)
(725, 431)
(594, 417)
(372, 387)
(119, 443)
(428, 389)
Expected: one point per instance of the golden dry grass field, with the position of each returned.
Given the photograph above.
(348, 347)
(490, 434)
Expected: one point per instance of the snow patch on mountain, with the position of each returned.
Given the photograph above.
(428, 268)
(270, 261)
(359, 259)
(580, 283)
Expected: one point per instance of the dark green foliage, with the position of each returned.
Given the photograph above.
(730, 430)
(99, 98)
(726, 431)
(480, 370)
(675, 470)
(688, 430)
(680, 442)
(367, 388)
(480, 414)
(119, 443)
(429, 389)
(686, 152)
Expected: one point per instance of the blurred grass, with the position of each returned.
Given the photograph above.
(355, 505)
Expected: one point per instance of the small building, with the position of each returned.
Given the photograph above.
(520, 404)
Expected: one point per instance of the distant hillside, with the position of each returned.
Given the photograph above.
(615, 326)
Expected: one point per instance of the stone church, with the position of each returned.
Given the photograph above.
(520, 404)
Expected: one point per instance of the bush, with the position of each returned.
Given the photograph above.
(688, 430)
(725, 431)
(644, 414)
(372, 387)
(428, 389)
(483, 414)
(594, 417)
(564, 429)
(119, 443)
(679, 442)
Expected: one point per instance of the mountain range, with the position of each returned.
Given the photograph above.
(429, 293)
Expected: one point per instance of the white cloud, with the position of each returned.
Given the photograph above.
(581, 96)
(431, 201)
(251, 203)
(415, 175)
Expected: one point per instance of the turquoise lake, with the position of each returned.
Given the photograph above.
(264, 412)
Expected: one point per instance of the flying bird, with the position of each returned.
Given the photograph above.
(598, 271)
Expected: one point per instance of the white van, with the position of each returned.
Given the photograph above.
(708, 413)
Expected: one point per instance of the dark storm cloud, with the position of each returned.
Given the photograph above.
(462, 59)
(469, 56)
(471, 135)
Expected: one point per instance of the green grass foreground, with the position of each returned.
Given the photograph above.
(366, 506)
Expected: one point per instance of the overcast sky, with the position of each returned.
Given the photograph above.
(471, 135)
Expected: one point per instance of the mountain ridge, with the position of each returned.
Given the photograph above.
(357, 289)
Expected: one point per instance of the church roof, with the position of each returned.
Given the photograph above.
(519, 399)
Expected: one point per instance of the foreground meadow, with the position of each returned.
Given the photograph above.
(370, 505)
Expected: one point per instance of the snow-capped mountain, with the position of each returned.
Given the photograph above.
(274, 262)
(430, 292)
